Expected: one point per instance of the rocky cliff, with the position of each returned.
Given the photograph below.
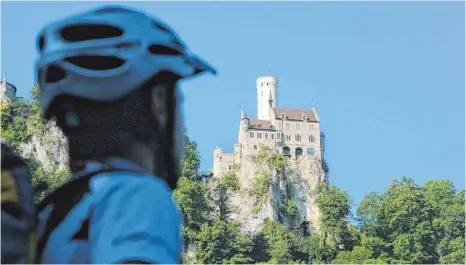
(272, 186)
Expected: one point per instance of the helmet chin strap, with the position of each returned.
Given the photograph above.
(164, 107)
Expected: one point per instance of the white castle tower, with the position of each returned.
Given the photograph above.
(266, 96)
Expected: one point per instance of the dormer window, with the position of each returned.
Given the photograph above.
(282, 115)
(304, 117)
(259, 126)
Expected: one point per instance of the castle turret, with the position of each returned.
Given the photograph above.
(244, 119)
(244, 125)
(266, 96)
(217, 161)
(7, 90)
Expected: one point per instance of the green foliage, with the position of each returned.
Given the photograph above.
(412, 224)
(260, 189)
(191, 196)
(291, 208)
(230, 181)
(14, 128)
(270, 158)
(279, 242)
(359, 255)
(221, 243)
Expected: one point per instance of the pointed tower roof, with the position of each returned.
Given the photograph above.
(243, 113)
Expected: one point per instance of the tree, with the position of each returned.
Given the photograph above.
(221, 243)
(192, 194)
(334, 205)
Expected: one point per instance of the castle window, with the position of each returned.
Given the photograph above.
(259, 136)
(297, 126)
(272, 136)
(311, 138)
(311, 127)
(266, 136)
(255, 147)
(297, 138)
(288, 138)
(278, 135)
(298, 152)
(251, 134)
(287, 127)
(286, 151)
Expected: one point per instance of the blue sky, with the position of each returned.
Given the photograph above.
(387, 78)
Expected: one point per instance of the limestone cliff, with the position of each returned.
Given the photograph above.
(48, 146)
(277, 190)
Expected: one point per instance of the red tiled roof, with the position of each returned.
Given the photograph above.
(294, 114)
(261, 125)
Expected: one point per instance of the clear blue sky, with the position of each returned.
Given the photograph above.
(387, 78)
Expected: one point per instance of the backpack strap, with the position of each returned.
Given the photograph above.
(73, 191)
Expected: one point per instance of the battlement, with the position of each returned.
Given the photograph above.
(267, 80)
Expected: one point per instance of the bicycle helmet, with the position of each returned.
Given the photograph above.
(107, 53)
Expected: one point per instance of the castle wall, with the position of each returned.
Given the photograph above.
(223, 162)
(255, 137)
(309, 137)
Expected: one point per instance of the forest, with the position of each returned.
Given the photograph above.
(407, 223)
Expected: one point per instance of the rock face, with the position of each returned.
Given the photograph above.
(48, 147)
(296, 183)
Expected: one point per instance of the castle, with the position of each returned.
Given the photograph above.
(293, 132)
(8, 91)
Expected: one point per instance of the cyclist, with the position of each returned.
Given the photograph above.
(109, 77)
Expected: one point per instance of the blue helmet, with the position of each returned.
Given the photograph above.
(107, 53)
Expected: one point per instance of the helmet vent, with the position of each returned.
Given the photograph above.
(87, 32)
(161, 27)
(93, 62)
(53, 74)
(163, 50)
(41, 43)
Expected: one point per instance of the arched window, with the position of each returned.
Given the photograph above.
(255, 147)
(310, 152)
(288, 138)
(298, 152)
(286, 151)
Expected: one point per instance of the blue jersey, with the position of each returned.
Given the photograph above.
(131, 217)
